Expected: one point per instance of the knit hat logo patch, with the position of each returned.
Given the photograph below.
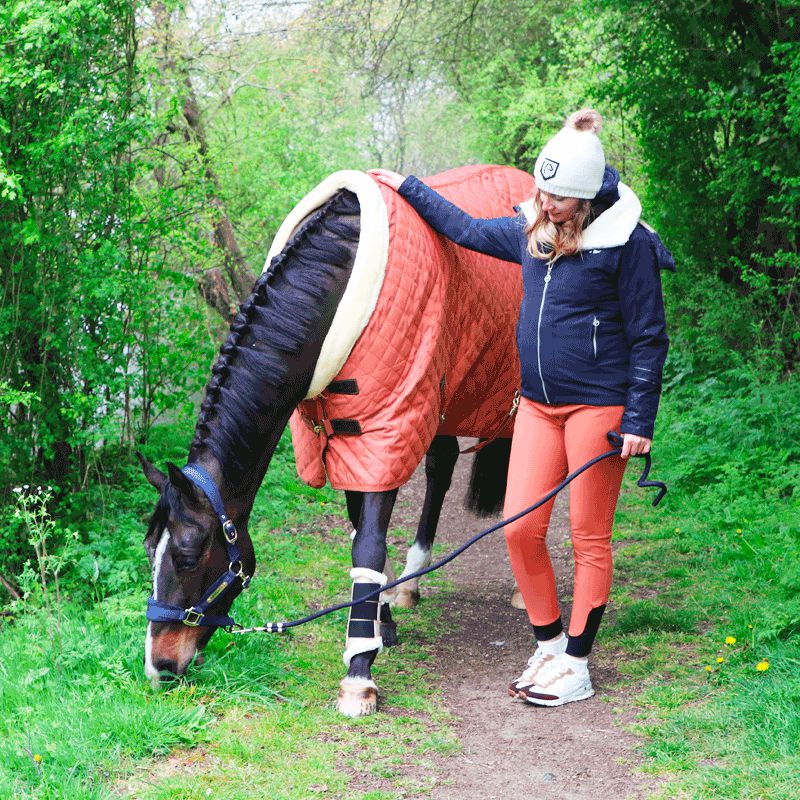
(548, 169)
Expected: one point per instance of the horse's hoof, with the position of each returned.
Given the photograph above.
(389, 635)
(516, 600)
(406, 598)
(358, 697)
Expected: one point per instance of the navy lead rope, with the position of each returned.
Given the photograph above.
(616, 442)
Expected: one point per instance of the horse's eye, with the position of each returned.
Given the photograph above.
(186, 560)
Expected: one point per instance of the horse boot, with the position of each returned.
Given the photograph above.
(358, 694)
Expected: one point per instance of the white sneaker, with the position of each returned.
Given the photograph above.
(544, 655)
(561, 680)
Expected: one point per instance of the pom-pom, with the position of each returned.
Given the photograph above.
(587, 119)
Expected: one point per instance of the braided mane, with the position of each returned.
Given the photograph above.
(282, 315)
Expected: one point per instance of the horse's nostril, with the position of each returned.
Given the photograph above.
(167, 669)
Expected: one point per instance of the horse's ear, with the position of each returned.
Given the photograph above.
(185, 487)
(155, 477)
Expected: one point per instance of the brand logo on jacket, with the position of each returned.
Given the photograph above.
(548, 169)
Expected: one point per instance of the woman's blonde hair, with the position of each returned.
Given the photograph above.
(547, 240)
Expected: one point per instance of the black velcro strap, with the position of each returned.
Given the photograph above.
(360, 629)
(363, 589)
(366, 610)
(347, 386)
(346, 427)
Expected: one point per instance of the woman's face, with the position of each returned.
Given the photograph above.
(558, 209)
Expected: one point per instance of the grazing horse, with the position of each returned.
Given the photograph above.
(382, 342)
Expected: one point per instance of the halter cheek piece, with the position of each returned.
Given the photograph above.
(196, 615)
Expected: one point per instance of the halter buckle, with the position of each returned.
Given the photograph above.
(192, 618)
(229, 531)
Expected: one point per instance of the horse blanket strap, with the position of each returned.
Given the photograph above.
(348, 386)
(496, 432)
(364, 623)
(426, 309)
(320, 423)
(196, 614)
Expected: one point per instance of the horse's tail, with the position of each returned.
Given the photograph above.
(487, 485)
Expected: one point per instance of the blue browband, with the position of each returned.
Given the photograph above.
(196, 615)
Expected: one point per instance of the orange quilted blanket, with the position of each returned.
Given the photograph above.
(436, 351)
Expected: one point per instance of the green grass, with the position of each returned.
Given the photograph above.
(718, 559)
(78, 720)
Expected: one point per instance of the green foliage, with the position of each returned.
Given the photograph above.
(720, 556)
(716, 115)
(92, 348)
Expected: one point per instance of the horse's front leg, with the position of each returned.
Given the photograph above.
(440, 461)
(358, 694)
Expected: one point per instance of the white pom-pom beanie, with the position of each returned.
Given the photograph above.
(571, 164)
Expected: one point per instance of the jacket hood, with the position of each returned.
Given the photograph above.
(609, 191)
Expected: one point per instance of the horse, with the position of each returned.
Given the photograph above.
(331, 279)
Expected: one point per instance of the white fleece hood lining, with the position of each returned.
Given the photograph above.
(366, 279)
(612, 228)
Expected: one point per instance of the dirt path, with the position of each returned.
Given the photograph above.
(513, 750)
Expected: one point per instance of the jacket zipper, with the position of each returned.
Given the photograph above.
(539, 330)
(595, 326)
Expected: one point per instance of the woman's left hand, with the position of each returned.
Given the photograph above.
(633, 445)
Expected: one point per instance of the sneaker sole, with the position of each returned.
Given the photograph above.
(559, 701)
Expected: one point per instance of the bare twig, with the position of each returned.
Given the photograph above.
(11, 589)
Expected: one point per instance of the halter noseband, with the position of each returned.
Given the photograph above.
(196, 615)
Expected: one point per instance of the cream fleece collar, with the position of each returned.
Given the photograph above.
(613, 227)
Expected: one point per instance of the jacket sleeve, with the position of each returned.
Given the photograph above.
(642, 305)
(502, 237)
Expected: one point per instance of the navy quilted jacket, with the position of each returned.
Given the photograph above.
(591, 326)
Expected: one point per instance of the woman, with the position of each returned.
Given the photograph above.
(592, 343)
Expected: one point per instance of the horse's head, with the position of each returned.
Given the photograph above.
(188, 553)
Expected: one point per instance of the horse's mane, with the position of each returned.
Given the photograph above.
(280, 316)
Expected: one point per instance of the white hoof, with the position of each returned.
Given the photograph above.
(516, 599)
(405, 598)
(357, 697)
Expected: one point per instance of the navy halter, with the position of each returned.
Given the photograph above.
(196, 615)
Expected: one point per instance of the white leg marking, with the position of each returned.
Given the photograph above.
(417, 558)
(407, 594)
(149, 670)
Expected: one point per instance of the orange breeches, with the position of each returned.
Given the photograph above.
(549, 442)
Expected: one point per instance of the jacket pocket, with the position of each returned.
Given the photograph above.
(595, 326)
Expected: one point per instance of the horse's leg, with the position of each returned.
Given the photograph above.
(358, 694)
(440, 461)
(355, 502)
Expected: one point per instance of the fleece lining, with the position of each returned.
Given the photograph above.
(366, 279)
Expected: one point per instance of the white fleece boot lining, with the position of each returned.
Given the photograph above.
(366, 279)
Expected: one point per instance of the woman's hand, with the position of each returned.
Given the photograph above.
(633, 445)
(387, 177)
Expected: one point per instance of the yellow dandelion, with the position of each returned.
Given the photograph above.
(750, 626)
(677, 530)
(738, 530)
(720, 660)
(730, 640)
(709, 668)
(762, 666)
(37, 758)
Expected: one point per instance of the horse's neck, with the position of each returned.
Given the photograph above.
(270, 357)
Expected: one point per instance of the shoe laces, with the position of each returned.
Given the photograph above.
(552, 671)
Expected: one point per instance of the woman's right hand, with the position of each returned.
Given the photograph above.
(387, 177)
